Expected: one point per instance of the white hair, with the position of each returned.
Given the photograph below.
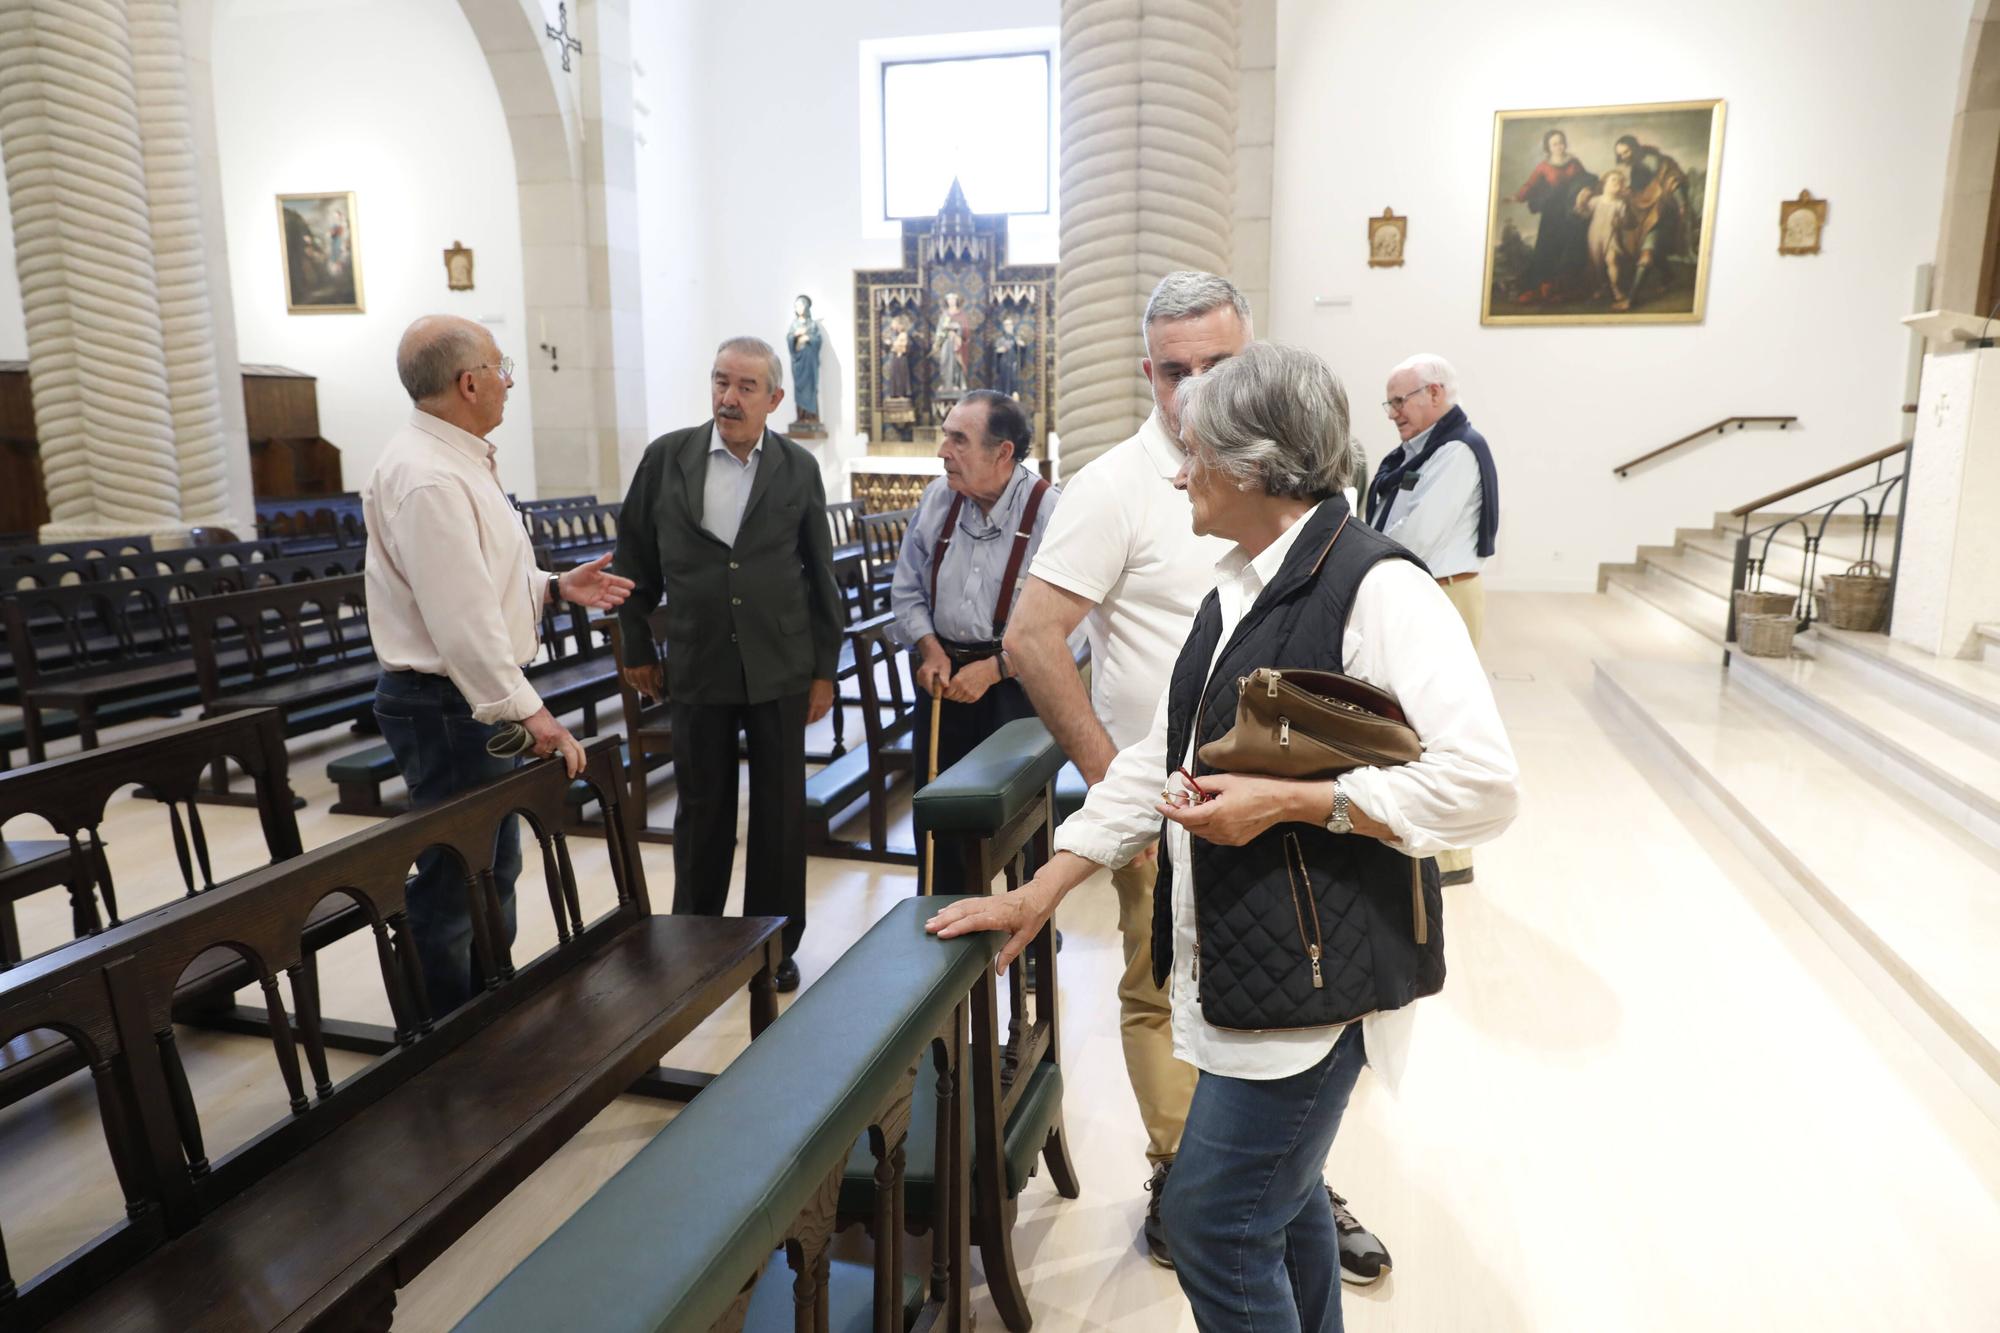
(1274, 416)
(1186, 293)
(1431, 369)
(775, 378)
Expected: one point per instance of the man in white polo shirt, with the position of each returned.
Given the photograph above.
(1120, 556)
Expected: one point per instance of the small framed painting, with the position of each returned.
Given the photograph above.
(1602, 214)
(322, 253)
(1386, 235)
(458, 268)
(1800, 221)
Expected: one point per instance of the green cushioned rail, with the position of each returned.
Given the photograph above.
(1021, 1142)
(839, 784)
(850, 1290)
(1070, 791)
(668, 1242)
(992, 784)
(375, 764)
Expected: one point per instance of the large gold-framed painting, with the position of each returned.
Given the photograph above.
(1602, 214)
(322, 253)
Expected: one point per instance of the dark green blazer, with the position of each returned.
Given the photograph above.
(748, 623)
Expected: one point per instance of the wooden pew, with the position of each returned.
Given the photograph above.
(881, 543)
(582, 532)
(71, 795)
(993, 809)
(316, 1221)
(713, 1227)
(884, 758)
(96, 548)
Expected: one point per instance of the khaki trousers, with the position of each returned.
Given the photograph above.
(1469, 596)
(1163, 1085)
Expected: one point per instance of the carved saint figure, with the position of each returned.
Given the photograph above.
(1010, 358)
(803, 340)
(951, 348)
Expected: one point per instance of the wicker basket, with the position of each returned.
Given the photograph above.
(1858, 599)
(1766, 635)
(1765, 603)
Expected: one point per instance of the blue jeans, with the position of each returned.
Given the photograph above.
(1246, 1212)
(441, 751)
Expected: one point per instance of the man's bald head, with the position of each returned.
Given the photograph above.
(436, 350)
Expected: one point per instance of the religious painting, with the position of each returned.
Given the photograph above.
(1385, 240)
(1602, 214)
(322, 253)
(458, 268)
(1800, 221)
(954, 317)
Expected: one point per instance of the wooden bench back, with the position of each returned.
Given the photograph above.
(36, 553)
(71, 793)
(335, 518)
(556, 503)
(882, 536)
(590, 526)
(843, 521)
(142, 565)
(318, 623)
(117, 991)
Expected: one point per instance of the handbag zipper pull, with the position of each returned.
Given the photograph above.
(1284, 731)
(1270, 683)
(1312, 952)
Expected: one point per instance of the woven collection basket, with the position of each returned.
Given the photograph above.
(1766, 635)
(1858, 599)
(1765, 603)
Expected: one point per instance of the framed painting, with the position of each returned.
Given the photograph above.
(1602, 214)
(1386, 235)
(1800, 222)
(322, 253)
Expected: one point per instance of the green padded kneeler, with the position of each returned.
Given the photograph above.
(850, 1299)
(1021, 1141)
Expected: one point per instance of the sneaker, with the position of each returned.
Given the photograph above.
(1155, 1231)
(1363, 1260)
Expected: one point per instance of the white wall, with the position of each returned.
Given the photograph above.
(391, 99)
(13, 328)
(750, 183)
(1391, 103)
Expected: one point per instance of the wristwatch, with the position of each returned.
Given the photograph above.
(1339, 821)
(1006, 665)
(555, 590)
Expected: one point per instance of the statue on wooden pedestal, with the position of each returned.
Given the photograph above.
(803, 340)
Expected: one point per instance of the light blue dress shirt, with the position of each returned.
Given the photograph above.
(1438, 521)
(725, 488)
(969, 580)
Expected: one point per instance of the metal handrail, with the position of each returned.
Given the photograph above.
(1719, 428)
(1748, 570)
(1880, 455)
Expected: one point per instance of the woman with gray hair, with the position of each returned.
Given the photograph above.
(1283, 914)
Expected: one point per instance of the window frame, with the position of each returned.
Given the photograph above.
(1049, 147)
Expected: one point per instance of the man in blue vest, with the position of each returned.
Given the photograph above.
(1438, 495)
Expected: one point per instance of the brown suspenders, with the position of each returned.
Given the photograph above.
(1022, 536)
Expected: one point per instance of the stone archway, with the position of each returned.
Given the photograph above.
(568, 133)
(1968, 249)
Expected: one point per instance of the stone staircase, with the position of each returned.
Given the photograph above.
(1861, 775)
(1690, 579)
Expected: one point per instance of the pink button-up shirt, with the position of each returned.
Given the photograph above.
(452, 585)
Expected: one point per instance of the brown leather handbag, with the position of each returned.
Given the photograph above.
(1317, 724)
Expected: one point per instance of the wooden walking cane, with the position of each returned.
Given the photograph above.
(930, 776)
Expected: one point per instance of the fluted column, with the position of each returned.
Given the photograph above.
(69, 130)
(1148, 178)
(173, 196)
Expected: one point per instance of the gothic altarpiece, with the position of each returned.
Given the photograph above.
(955, 317)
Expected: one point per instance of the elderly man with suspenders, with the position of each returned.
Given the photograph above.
(958, 574)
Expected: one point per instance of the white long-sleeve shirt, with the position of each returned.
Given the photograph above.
(1403, 636)
(1438, 520)
(452, 585)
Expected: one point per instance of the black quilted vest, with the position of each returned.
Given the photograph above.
(1254, 918)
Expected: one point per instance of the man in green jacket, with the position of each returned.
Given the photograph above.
(727, 522)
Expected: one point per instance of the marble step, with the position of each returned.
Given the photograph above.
(1704, 612)
(1962, 694)
(1697, 570)
(1908, 899)
(1989, 643)
(1941, 756)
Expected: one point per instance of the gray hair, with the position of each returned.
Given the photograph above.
(1275, 416)
(1431, 369)
(775, 378)
(1186, 293)
(433, 353)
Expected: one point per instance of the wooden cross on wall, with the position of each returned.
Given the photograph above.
(564, 42)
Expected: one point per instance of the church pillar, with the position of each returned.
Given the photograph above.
(187, 320)
(1149, 98)
(69, 131)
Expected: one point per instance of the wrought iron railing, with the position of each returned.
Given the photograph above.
(1877, 501)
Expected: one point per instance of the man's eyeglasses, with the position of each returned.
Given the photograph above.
(1395, 405)
(505, 365)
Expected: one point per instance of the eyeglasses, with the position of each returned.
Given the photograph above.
(1395, 405)
(505, 366)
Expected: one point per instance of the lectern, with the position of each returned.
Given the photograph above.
(1948, 581)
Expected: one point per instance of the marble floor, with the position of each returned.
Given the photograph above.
(1650, 1097)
